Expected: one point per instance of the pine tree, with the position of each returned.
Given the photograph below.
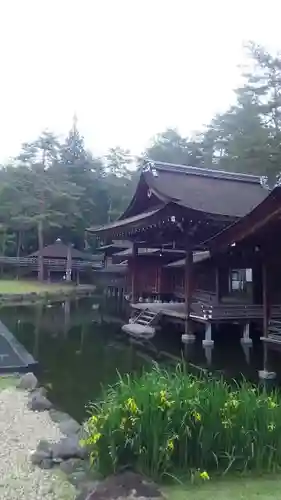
(237, 140)
(264, 83)
(87, 173)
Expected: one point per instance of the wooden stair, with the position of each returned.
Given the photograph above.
(142, 325)
(274, 329)
(274, 332)
(145, 318)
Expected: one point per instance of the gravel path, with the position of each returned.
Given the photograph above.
(20, 431)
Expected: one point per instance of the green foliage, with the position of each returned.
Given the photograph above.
(55, 189)
(176, 424)
(170, 147)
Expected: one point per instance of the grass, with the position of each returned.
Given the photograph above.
(235, 489)
(7, 381)
(22, 286)
(167, 424)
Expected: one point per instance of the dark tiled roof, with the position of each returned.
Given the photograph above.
(148, 251)
(252, 223)
(211, 192)
(134, 221)
(116, 244)
(58, 250)
(205, 190)
(197, 257)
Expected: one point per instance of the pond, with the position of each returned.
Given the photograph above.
(79, 353)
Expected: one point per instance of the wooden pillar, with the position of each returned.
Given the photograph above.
(265, 374)
(68, 264)
(217, 278)
(134, 272)
(187, 288)
(159, 280)
(265, 299)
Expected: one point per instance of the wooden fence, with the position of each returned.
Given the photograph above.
(52, 264)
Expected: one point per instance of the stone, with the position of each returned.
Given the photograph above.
(39, 391)
(47, 463)
(28, 382)
(69, 427)
(208, 343)
(126, 485)
(43, 455)
(266, 375)
(67, 424)
(71, 465)
(68, 447)
(38, 402)
(37, 457)
(45, 446)
(58, 416)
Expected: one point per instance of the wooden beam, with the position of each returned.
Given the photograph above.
(265, 299)
(218, 291)
(188, 287)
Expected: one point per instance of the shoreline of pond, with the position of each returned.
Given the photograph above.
(55, 293)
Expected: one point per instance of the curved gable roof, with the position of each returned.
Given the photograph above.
(211, 192)
(206, 190)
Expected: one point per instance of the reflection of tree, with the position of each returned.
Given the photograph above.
(82, 339)
(66, 324)
(247, 352)
(37, 329)
(208, 354)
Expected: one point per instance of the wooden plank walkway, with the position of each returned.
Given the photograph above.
(204, 312)
(13, 356)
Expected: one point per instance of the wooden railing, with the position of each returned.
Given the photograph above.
(55, 264)
(237, 311)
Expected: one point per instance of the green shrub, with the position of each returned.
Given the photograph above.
(166, 423)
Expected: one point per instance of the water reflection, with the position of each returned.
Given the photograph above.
(208, 353)
(80, 352)
(77, 355)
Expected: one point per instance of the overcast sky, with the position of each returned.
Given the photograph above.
(128, 68)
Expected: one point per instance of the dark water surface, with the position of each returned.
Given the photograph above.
(78, 354)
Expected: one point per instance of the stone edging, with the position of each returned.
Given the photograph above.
(66, 454)
(72, 459)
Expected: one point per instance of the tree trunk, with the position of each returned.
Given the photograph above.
(40, 254)
(19, 244)
(3, 248)
(18, 252)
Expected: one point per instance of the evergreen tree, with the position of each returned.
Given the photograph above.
(237, 140)
(87, 173)
(170, 147)
(263, 82)
(120, 180)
